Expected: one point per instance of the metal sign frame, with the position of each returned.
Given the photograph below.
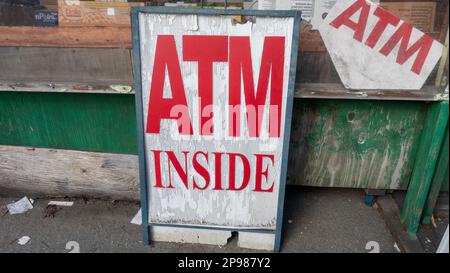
(140, 121)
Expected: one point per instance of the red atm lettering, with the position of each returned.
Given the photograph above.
(358, 27)
(206, 50)
(401, 36)
(272, 63)
(166, 57)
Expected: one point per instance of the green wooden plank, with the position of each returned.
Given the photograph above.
(424, 166)
(364, 144)
(89, 122)
(439, 179)
(446, 184)
(354, 143)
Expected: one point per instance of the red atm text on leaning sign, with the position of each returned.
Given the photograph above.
(214, 99)
(205, 51)
(373, 49)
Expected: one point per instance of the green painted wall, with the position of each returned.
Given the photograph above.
(355, 143)
(89, 122)
(340, 143)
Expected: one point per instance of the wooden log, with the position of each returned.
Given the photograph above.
(49, 172)
(102, 37)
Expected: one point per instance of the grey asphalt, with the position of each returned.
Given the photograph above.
(316, 220)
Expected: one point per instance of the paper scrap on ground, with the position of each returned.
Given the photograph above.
(443, 246)
(137, 219)
(61, 203)
(23, 240)
(20, 206)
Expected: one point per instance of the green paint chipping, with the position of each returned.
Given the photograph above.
(424, 167)
(87, 122)
(334, 143)
(354, 143)
(440, 178)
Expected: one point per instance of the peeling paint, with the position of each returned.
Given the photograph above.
(355, 145)
(210, 207)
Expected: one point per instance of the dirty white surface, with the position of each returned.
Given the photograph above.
(23, 240)
(137, 219)
(61, 203)
(216, 208)
(249, 240)
(322, 7)
(362, 67)
(22, 205)
(443, 246)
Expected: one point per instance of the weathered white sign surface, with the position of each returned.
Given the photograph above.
(322, 7)
(373, 49)
(214, 97)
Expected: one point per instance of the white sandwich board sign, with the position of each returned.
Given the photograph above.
(214, 99)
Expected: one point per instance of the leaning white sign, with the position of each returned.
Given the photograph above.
(214, 100)
(373, 49)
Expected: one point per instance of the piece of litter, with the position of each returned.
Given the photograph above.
(51, 210)
(137, 219)
(397, 248)
(443, 245)
(290, 221)
(61, 203)
(20, 206)
(23, 240)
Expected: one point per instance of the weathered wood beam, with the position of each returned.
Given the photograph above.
(100, 66)
(424, 165)
(338, 91)
(101, 37)
(440, 174)
(49, 172)
(303, 90)
(66, 87)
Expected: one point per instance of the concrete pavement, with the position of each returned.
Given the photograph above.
(316, 220)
